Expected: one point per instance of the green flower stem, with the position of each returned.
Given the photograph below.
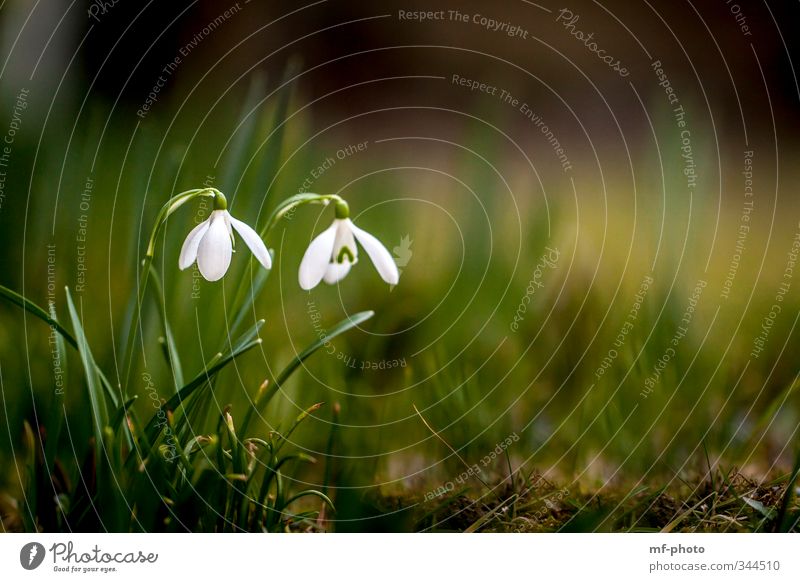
(166, 211)
(296, 201)
(172, 205)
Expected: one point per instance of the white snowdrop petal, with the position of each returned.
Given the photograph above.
(214, 253)
(316, 259)
(344, 238)
(189, 248)
(380, 257)
(336, 272)
(253, 241)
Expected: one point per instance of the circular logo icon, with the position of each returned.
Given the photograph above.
(31, 555)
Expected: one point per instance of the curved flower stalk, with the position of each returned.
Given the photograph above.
(211, 243)
(331, 254)
(203, 244)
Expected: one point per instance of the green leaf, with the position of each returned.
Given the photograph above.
(338, 329)
(119, 415)
(243, 345)
(37, 311)
(274, 513)
(300, 418)
(96, 396)
(197, 408)
(105, 458)
(268, 168)
(57, 412)
(164, 213)
(264, 397)
(307, 493)
(292, 203)
(172, 350)
(237, 451)
(40, 313)
(246, 295)
(271, 159)
(235, 161)
(298, 457)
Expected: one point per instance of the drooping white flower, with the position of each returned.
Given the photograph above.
(330, 256)
(210, 243)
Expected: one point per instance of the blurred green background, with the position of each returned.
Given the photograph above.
(468, 194)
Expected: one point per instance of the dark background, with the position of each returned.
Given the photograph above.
(118, 58)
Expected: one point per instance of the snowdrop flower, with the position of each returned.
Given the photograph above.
(330, 255)
(211, 242)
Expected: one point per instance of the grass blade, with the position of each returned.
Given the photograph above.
(36, 311)
(57, 412)
(337, 330)
(40, 313)
(172, 350)
(119, 415)
(96, 396)
(272, 152)
(243, 304)
(245, 344)
(243, 135)
(309, 492)
(283, 438)
(264, 397)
